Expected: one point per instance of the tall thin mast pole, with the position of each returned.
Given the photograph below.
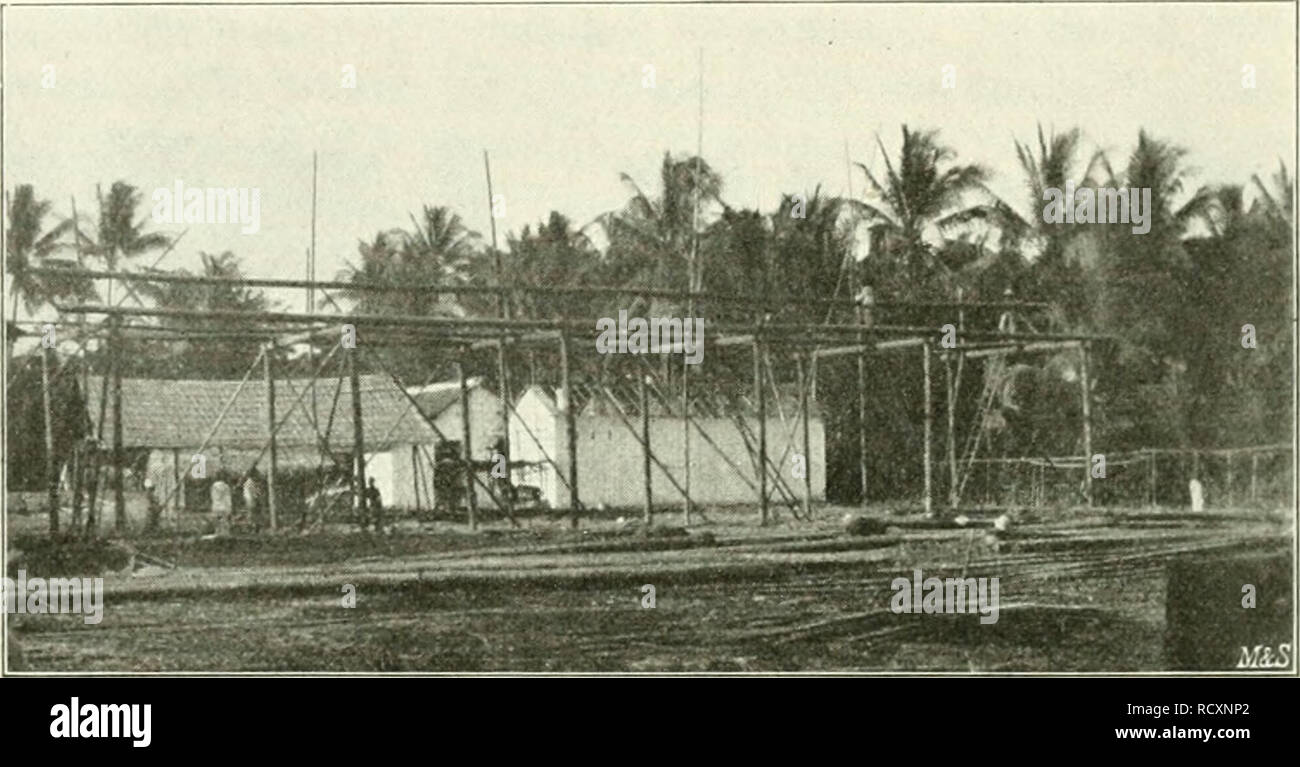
(311, 288)
(691, 287)
(311, 256)
(503, 312)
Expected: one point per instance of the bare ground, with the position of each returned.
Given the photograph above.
(1078, 593)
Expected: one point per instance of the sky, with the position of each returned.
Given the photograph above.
(240, 97)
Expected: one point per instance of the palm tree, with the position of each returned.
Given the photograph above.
(1145, 285)
(439, 251)
(202, 357)
(440, 245)
(1278, 206)
(29, 246)
(650, 239)
(925, 190)
(811, 241)
(554, 254)
(119, 235)
(1051, 168)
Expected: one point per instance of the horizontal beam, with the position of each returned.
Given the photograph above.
(544, 338)
(1042, 346)
(807, 333)
(901, 343)
(611, 290)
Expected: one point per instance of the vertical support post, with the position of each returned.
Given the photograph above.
(952, 431)
(358, 442)
(503, 373)
(1151, 454)
(415, 479)
(1254, 473)
(865, 319)
(928, 500)
(570, 430)
(1229, 487)
(760, 394)
(807, 438)
(178, 489)
(311, 290)
(1086, 390)
(466, 448)
(686, 401)
(273, 455)
(119, 457)
(862, 420)
(51, 464)
(503, 392)
(645, 449)
(75, 470)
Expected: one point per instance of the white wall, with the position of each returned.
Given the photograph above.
(610, 468)
(546, 438)
(610, 462)
(484, 422)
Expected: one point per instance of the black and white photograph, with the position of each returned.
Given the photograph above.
(605, 339)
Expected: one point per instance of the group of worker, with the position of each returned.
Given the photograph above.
(223, 502)
(254, 497)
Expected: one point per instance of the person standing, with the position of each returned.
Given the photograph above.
(221, 506)
(154, 505)
(375, 505)
(253, 498)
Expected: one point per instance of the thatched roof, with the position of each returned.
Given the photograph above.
(180, 413)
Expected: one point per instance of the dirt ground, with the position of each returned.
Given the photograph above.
(1078, 592)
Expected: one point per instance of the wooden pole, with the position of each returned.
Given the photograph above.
(1254, 472)
(645, 449)
(178, 485)
(51, 464)
(77, 473)
(273, 452)
(1228, 457)
(952, 432)
(415, 478)
(570, 430)
(866, 320)
(503, 312)
(358, 442)
(466, 448)
(1087, 423)
(807, 437)
(929, 428)
(862, 424)
(692, 285)
(686, 428)
(760, 394)
(1152, 456)
(311, 290)
(119, 457)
